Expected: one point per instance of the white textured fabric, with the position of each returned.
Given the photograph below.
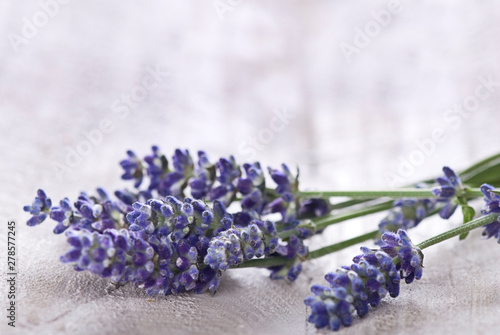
(269, 81)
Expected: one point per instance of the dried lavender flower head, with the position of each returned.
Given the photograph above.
(372, 275)
(449, 189)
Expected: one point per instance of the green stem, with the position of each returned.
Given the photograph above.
(399, 193)
(264, 262)
(484, 220)
(279, 261)
(348, 203)
(325, 222)
(485, 171)
(342, 245)
(322, 224)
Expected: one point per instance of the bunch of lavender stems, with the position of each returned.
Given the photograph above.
(167, 243)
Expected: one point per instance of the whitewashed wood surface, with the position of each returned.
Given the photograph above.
(352, 123)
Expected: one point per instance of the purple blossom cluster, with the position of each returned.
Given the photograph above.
(405, 214)
(167, 243)
(372, 275)
(295, 251)
(94, 213)
(449, 190)
(222, 182)
(235, 245)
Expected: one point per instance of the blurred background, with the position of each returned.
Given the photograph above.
(371, 94)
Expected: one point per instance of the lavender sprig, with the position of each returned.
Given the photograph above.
(104, 254)
(168, 246)
(364, 283)
(89, 212)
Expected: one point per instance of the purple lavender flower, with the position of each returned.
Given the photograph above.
(253, 188)
(157, 167)
(492, 205)
(204, 177)
(222, 181)
(365, 282)
(405, 214)
(104, 254)
(140, 263)
(158, 265)
(286, 205)
(287, 187)
(128, 197)
(89, 212)
(179, 232)
(176, 181)
(171, 216)
(295, 251)
(254, 178)
(184, 233)
(229, 172)
(200, 179)
(208, 279)
(97, 213)
(64, 216)
(290, 204)
(313, 207)
(236, 245)
(178, 268)
(449, 189)
(410, 257)
(133, 168)
(285, 180)
(40, 208)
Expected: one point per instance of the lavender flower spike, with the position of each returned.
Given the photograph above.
(294, 250)
(410, 257)
(133, 169)
(39, 208)
(235, 245)
(103, 254)
(405, 214)
(449, 189)
(373, 274)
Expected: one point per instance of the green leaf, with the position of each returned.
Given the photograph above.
(468, 213)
